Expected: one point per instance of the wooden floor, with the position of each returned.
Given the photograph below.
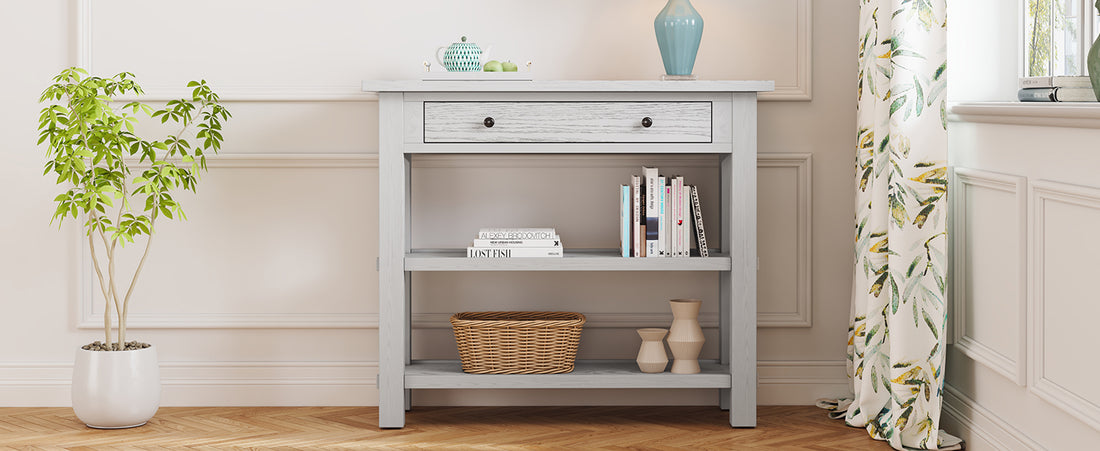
(779, 428)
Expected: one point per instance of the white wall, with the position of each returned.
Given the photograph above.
(267, 295)
(1026, 205)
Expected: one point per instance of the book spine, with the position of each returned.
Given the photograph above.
(635, 237)
(700, 234)
(675, 237)
(670, 219)
(516, 229)
(513, 252)
(652, 220)
(641, 227)
(549, 234)
(662, 226)
(1057, 94)
(1036, 82)
(1036, 95)
(685, 230)
(1069, 81)
(681, 246)
(624, 220)
(555, 242)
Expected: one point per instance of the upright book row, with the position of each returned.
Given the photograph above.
(657, 215)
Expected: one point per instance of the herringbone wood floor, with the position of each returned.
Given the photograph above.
(779, 428)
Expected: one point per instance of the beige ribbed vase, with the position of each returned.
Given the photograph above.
(685, 337)
(651, 356)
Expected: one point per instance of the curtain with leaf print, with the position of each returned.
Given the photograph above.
(896, 335)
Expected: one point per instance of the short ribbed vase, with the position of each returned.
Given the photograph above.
(679, 29)
(651, 356)
(685, 337)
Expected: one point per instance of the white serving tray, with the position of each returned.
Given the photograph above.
(491, 76)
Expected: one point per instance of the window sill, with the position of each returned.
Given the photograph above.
(1076, 115)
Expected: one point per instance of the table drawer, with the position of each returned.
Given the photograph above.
(565, 122)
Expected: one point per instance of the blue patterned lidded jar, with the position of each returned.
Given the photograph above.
(460, 56)
(679, 29)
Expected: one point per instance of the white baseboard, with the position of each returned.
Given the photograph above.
(981, 428)
(353, 384)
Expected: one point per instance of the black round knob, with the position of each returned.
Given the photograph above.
(489, 122)
(647, 122)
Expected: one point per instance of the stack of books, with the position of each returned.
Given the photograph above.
(656, 216)
(1076, 88)
(515, 243)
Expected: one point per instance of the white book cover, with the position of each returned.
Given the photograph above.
(685, 229)
(635, 218)
(554, 242)
(652, 220)
(662, 226)
(624, 220)
(513, 252)
(517, 234)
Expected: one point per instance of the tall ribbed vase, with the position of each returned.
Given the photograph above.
(685, 337)
(679, 29)
(1094, 63)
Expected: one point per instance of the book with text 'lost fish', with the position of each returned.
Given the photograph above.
(513, 252)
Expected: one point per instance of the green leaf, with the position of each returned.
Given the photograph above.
(931, 325)
(898, 104)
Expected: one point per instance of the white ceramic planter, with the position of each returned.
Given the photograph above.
(116, 389)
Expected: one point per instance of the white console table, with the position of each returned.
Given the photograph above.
(569, 117)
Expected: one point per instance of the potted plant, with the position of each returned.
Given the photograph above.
(118, 185)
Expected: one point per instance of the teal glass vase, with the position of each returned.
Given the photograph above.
(679, 29)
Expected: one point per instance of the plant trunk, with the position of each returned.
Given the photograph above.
(103, 288)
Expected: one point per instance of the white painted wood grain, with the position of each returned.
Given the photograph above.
(568, 122)
(594, 86)
(393, 227)
(586, 374)
(738, 230)
(572, 260)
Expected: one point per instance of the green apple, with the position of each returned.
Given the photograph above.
(509, 66)
(493, 66)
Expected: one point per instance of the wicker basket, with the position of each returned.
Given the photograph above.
(517, 342)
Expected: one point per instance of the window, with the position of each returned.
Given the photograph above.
(1057, 36)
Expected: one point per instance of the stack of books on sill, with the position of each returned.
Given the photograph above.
(515, 243)
(1076, 88)
(656, 216)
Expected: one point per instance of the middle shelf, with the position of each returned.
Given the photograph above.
(586, 374)
(573, 260)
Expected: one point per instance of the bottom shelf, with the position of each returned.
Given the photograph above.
(586, 374)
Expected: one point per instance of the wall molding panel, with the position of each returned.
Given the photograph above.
(1043, 193)
(303, 383)
(982, 424)
(802, 164)
(801, 316)
(88, 318)
(968, 180)
(800, 89)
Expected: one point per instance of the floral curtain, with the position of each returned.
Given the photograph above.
(896, 335)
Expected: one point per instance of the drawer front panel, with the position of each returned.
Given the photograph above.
(565, 122)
